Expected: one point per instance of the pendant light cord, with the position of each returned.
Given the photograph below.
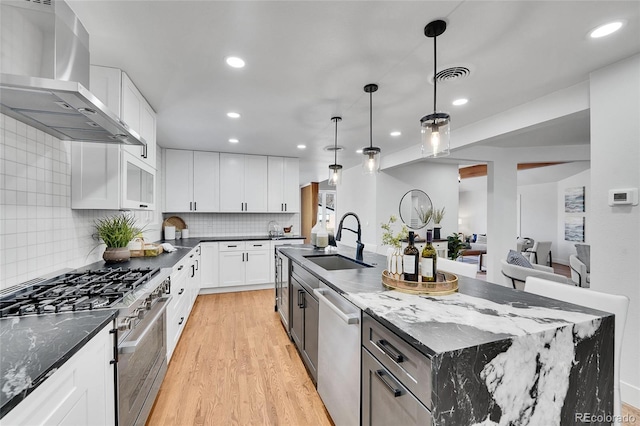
(371, 119)
(335, 148)
(435, 78)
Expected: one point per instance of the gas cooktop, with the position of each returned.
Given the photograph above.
(76, 291)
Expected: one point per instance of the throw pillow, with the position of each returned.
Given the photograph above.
(584, 255)
(482, 239)
(516, 258)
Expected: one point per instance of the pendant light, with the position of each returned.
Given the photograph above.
(335, 169)
(371, 154)
(436, 126)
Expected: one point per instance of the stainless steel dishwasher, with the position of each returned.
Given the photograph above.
(339, 356)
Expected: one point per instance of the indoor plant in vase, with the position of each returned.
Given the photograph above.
(394, 254)
(116, 232)
(437, 218)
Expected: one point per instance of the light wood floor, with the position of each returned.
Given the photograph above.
(234, 365)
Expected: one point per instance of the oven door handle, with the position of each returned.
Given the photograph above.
(129, 347)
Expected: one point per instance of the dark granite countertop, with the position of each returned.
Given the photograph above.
(34, 347)
(479, 313)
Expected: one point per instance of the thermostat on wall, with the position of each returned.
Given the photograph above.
(623, 197)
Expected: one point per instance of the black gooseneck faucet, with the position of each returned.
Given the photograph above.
(359, 245)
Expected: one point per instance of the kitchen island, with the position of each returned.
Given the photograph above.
(497, 355)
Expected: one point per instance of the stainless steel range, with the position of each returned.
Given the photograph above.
(140, 296)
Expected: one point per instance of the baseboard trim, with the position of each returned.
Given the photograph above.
(216, 290)
(630, 394)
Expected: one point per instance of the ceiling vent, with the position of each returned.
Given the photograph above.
(452, 73)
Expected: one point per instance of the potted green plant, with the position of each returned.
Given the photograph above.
(438, 215)
(116, 232)
(455, 246)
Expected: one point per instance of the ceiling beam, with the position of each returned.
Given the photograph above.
(481, 169)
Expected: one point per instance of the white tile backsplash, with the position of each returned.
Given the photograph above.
(235, 224)
(39, 233)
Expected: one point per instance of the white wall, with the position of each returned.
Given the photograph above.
(539, 213)
(473, 211)
(567, 248)
(376, 197)
(615, 231)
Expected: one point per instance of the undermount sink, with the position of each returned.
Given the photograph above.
(335, 262)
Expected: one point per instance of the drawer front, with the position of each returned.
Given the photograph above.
(385, 401)
(411, 367)
(305, 278)
(232, 246)
(257, 245)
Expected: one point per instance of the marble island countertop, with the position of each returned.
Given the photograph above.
(35, 346)
(499, 355)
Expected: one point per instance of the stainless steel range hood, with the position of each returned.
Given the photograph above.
(44, 72)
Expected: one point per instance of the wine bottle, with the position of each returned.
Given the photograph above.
(410, 259)
(429, 260)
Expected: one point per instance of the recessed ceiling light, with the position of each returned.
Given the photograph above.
(233, 115)
(606, 29)
(301, 146)
(395, 133)
(235, 62)
(460, 101)
(359, 151)
(233, 140)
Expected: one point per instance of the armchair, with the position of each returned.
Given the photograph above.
(520, 273)
(579, 272)
(539, 253)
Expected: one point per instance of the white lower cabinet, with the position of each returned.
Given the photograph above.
(80, 392)
(209, 265)
(185, 285)
(244, 263)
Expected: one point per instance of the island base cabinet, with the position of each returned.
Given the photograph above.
(81, 392)
(304, 326)
(385, 401)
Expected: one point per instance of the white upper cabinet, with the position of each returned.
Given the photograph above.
(284, 191)
(106, 177)
(243, 183)
(116, 90)
(192, 181)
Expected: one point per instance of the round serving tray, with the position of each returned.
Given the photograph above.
(447, 284)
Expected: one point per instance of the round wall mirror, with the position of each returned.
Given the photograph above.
(416, 209)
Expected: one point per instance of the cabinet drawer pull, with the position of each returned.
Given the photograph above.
(285, 207)
(190, 205)
(394, 390)
(193, 271)
(143, 206)
(181, 321)
(180, 267)
(181, 291)
(144, 151)
(247, 257)
(301, 299)
(195, 205)
(390, 351)
(229, 246)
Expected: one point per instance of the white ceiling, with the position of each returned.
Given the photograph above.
(309, 60)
